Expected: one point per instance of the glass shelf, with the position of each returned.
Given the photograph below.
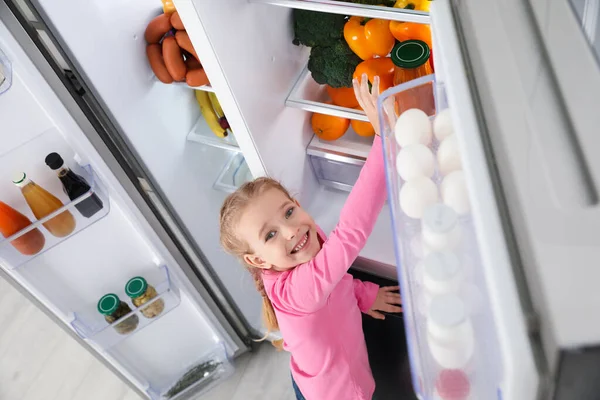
(207, 372)
(233, 175)
(5, 73)
(91, 325)
(205, 88)
(453, 349)
(201, 133)
(13, 259)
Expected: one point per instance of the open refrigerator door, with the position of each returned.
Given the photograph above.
(465, 327)
(167, 338)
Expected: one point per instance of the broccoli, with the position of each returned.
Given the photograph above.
(333, 65)
(313, 28)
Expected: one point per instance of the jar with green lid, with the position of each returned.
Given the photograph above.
(411, 61)
(141, 293)
(114, 309)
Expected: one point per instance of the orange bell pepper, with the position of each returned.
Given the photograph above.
(409, 30)
(368, 37)
(382, 67)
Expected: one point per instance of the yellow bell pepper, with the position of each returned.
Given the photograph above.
(420, 5)
(368, 37)
(409, 30)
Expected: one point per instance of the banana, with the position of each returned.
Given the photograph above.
(209, 114)
(216, 105)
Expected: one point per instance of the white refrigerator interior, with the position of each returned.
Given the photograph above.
(103, 252)
(156, 119)
(481, 270)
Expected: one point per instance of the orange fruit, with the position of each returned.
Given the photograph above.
(328, 127)
(362, 128)
(343, 97)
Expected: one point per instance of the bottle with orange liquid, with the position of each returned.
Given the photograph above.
(411, 60)
(11, 222)
(43, 203)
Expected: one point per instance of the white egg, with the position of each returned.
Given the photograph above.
(442, 125)
(448, 155)
(415, 160)
(454, 192)
(416, 195)
(413, 126)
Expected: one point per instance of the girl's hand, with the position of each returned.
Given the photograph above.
(387, 301)
(368, 100)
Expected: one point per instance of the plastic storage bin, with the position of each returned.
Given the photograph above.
(449, 324)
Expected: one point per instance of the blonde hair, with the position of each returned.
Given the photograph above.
(231, 210)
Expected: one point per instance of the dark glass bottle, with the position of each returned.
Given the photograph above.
(74, 186)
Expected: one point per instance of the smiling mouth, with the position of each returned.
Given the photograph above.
(300, 244)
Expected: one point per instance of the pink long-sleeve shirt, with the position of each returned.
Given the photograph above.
(318, 304)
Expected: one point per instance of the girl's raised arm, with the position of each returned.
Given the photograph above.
(307, 287)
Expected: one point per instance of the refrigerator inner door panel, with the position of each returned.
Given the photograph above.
(466, 328)
(538, 80)
(101, 258)
(153, 121)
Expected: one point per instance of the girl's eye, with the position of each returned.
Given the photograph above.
(289, 213)
(270, 235)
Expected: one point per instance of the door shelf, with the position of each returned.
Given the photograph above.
(233, 175)
(91, 325)
(308, 95)
(345, 8)
(434, 357)
(13, 259)
(210, 370)
(201, 133)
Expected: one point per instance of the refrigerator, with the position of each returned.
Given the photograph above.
(513, 319)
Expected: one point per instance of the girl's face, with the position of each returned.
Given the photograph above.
(281, 234)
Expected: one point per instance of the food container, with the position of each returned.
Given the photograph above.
(441, 228)
(141, 293)
(450, 334)
(114, 309)
(411, 60)
(442, 273)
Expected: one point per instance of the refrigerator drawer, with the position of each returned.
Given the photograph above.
(336, 174)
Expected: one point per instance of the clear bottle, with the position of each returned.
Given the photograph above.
(140, 293)
(43, 203)
(114, 309)
(74, 186)
(11, 222)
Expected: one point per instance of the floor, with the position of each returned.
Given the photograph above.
(40, 361)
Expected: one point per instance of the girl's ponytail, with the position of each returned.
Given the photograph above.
(268, 312)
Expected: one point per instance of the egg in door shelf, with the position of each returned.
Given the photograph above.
(43, 197)
(436, 247)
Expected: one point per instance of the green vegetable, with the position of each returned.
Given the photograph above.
(313, 28)
(333, 65)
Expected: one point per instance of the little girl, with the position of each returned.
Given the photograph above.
(303, 275)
